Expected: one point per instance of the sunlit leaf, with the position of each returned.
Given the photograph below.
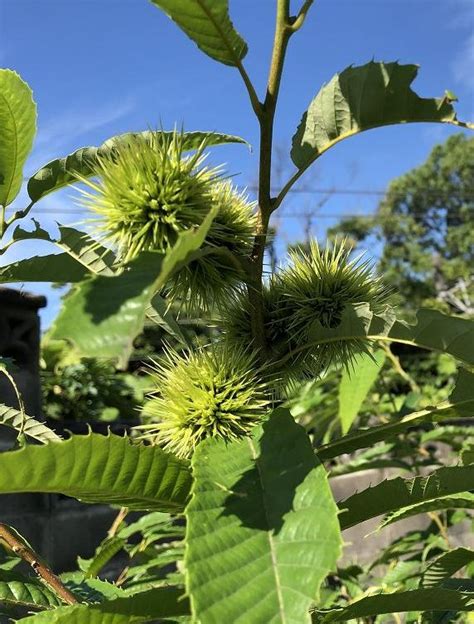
(17, 131)
(99, 469)
(399, 602)
(19, 590)
(207, 23)
(262, 528)
(102, 316)
(361, 98)
(149, 606)
(28, 425)
(83, 162)
(355, 385)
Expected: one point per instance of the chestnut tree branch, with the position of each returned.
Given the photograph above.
(19, 547)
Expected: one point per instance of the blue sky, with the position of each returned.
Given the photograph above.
(101, 67)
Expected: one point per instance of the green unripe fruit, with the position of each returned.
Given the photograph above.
(214, 392)
(316, 286)
(149, 192)
(208, 281)
(236, 322)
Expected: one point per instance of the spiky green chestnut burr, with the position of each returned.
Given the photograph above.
(149, 192)
(208, 281)
(318, 285)
(315, 286)
(235, 320)
(213, 392)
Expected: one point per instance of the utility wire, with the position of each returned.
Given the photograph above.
(376, 192)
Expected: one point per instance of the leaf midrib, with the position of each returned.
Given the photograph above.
(270, 537)
(216, 25)
(15, 158)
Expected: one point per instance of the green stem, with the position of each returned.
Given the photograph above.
(256, 104)
(395, 361)
(282, 194)
(19, 398)
(266, 118)
(2, 221)
(298, 21)
(7, 245)
(19, 214)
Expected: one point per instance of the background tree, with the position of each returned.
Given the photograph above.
(425, 226)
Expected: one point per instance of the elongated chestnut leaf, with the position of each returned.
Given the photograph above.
(262, 527)
(444, 566)
(207, 23)
(459, 405)
(11, 417)
(102, 315)
(17, 590)
(83, 162)
(435, 599)
(361, 98)
(398, 494)
(99, 469)
(355, 384)
(149, 606)
(17, 132)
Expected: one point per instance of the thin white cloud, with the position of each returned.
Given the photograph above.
(463, 66)
(56, 136)
(462, 20)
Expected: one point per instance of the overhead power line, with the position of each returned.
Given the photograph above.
(374, 192)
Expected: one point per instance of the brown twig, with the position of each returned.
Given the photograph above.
(18, 546)
(119, 518)
(414, 387)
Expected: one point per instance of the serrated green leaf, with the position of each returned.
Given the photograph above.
(355, 385)
(433, 331)
(103, 554)
(83, 255)
(445, 566)
(159, 313)
(90, 589)
(455, 501)
(79, 245)
(460, 405)
(375, 464)
(83, 162)
(17, 131)
(99, 469)
(399, 602)
(148, 606)
(207, 23)
(394, 494)
(19, 590)
(361, 98)
(262, 528)
(102, 316)
(13, 418)
(59, 268)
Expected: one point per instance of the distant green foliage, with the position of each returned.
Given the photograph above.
(88, 391)
(244, 526)
(425, 226)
